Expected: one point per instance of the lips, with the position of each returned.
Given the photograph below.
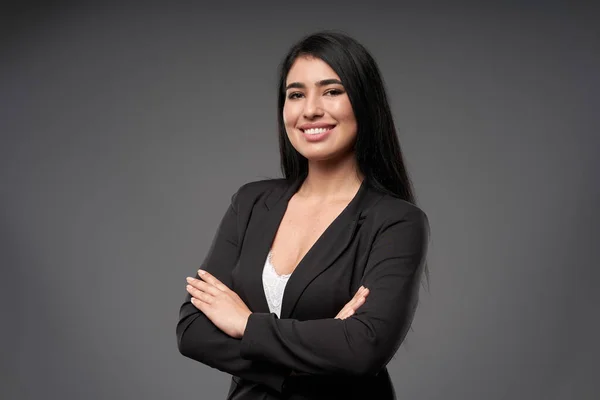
(320, 125)
(317, 134)
(316, 131)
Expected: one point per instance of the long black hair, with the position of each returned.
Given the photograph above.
(377, 149)
(378, 153)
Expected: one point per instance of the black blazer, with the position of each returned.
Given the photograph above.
(378, 241)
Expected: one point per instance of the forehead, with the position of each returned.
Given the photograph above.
(308, 69)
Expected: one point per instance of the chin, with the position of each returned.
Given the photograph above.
(322, 155)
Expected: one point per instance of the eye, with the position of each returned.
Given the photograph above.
(294, 95)
(334, 92)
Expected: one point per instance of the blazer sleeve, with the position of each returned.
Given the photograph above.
(364, 343)
(198, 338)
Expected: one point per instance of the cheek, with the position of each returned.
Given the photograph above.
(290, 115)
(346, 114)
(342, 110)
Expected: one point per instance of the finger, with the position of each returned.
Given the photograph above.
(358, 298)
(363, 293)
(363, 298)
(207, 277)
(355, 304)
(359, 291)
(347, 314)
(352, 302)
(199, 295)
(356, 301)
(203, 286)
(349, 306)
(200, 305)
(344, 309)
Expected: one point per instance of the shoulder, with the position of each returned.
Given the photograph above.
(260, 188)
(393, 212)
(391, 208)
(250, 193)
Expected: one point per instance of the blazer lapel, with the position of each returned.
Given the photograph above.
(333, 242)
(261, 233)
(324, 252)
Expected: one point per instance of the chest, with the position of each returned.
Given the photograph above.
(299, 230)
(324, 250)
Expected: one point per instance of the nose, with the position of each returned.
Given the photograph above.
(312, 106)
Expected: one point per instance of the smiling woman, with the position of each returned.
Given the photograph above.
(316, 105)
(312, 280)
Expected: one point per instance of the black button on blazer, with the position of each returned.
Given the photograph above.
(378, 241)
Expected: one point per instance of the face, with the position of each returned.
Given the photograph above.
(317, 113)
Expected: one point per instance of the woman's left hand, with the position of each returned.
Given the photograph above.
(219, 303)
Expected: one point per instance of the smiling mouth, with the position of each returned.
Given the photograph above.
(317, 131)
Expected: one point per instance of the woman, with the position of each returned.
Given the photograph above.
(312, 281)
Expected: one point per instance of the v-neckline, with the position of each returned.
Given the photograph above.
(261, 232)
(323, 234)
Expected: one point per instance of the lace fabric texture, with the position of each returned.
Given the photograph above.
(274, 285)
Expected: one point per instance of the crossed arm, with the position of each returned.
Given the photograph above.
(218, 331)
(198, 338)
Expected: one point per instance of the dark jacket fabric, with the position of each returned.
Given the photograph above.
(378, 241)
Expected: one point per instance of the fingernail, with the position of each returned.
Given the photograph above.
(189, 279)
(201, 272)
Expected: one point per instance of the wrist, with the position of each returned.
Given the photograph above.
(245, 323)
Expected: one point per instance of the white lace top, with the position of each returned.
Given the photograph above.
(274, 286)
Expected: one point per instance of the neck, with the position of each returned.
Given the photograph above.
(331, 180)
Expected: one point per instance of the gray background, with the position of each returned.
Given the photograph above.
(126, 129)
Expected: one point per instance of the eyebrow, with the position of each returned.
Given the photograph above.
(324, 82)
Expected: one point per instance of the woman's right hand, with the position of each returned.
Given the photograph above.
(353, 305)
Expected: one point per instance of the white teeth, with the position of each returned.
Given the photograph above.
(315, 131)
